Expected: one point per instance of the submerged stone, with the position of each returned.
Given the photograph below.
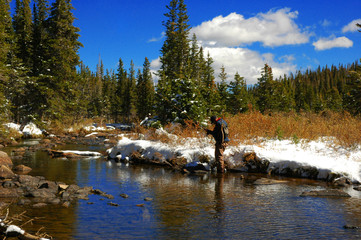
(325, 193)
(268, 181)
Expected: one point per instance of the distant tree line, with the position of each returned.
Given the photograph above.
(42, 77)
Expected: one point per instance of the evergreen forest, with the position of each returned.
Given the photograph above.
(42, 78)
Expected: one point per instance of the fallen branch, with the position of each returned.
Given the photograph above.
(7, 229)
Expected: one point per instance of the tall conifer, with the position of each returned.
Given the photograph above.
(6, 36)
(23, 32)
(39, 57)
(238, 96)
(145, 91)
(174, 74)
(63, 57)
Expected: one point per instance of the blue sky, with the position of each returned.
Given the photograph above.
(241, 35)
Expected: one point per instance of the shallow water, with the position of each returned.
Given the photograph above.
(185, 206)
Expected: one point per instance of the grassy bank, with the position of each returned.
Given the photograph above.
(344, 129)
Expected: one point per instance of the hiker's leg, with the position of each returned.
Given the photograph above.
(219, 157)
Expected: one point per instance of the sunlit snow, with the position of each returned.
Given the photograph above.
(281, 154)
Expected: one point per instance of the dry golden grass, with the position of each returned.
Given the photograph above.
(253, 127)
(344, 129)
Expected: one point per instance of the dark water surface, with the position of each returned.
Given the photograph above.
(185, 206)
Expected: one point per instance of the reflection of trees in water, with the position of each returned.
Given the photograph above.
(186, 204)
(55, 219)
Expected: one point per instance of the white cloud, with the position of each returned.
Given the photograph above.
(222, 37)
(246, 62)
(274, 28)
(325, 23)
(351, 27)
(154, 39)
(332, 42)
(155, 64)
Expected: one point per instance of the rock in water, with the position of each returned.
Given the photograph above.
(325, 193)
(268, 181)
(5, 159)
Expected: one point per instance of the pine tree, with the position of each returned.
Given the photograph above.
(265, 89)
(40, 15)
(95, 102)
(188, 103)
(352, 97)
(238, 96)
(222, 89)
(145, 91)
(174, 59)
(109, 83)
(6, 35)
(129, 100)
(63, 58)
(120, 87)
(23, 32)
(194, 61)
(208, 87)
(284, 95)
(334, 100)
(182, 41)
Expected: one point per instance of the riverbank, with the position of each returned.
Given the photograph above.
(177, 147)
(180, 155)
(312, 159)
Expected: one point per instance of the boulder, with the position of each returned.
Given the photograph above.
(22, 169)
(56, 154)
(42, 193)
(71, 155)
(350, 227)
(197, 166)
(341, 182)
(9, 192)
(123, 195)
(178, 162)
(19, 151)
(50, 185)
(5, 159)
(252, 163)
(28, 181)
(10, 184)
(39, 205)
(325, 193)
(268, 181)
(6, 173)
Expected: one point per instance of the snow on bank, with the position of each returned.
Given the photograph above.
(281, 154)
(29, 130)
(84, 153)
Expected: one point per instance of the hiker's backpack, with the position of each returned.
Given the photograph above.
(225, 130)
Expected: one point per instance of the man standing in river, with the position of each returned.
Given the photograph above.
(220, 134)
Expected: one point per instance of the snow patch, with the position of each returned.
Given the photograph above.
(13, 228)
(322, 155)
(83, 153)
(31, 130)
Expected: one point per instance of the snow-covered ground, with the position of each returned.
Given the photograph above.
(29, 130)
(320, 154)
(83, 153)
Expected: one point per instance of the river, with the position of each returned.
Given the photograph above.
(163, 204)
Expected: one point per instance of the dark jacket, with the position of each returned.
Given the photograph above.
(220, 131)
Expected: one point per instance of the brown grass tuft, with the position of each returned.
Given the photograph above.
(345, 129)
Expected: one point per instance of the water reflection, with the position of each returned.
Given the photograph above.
(209, 206)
